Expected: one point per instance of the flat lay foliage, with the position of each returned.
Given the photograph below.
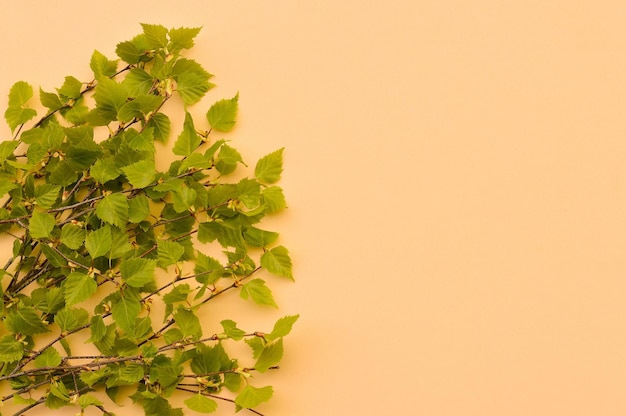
(109, 249)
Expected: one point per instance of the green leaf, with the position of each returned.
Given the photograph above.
(249, 192)
(20, 93)
(72, 236)
(86, 400)
(104, 170)
(71, 88)
(209, 359)
(278, 262)
(137, 272)
(129, 52)
(69, 319)
(188, 141)
(194, 160)
(50, 357)
(201, 404)
(182, 38)
(78, 287)
(273, 198)
(7, 148)
(259, 292)
(259, 238)
(188, 323)
(63, 174)
(170, 253)
(231, 330)
(10, 349)
(98, 243)
(138, 209)
(102, 66)
(178, 294)
(113, 209)
(46, 195)
(205, 264)
(16, 116)
(140, 174)
(139, 107)
(97, 328)
(282, 327)
(251, 397)
(26, 321)
(41, 224)
(125, 314)
(227, 160)
(138, 82)
(110, 96)
(192, 87)
(183, 198)
(156, 35)
(50, 100)
(270, 356)
(269, 167)
(161, 125)
(222, 114)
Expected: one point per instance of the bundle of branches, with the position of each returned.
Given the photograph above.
(109, 250)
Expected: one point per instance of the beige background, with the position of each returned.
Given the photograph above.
(456, 177)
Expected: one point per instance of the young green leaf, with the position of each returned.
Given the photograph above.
(169, 252)
(188, 323)
(161, 125)
(101, 65)
(20, 93)
(72, 236)
(71, 88)
(227, 160)
(137, 272)
(188, 141)
(105, 170)
(25, 320)
(16, 116)
(182, 38)
(201, 404)
(282, 327)
(192, 86)
(78, 287)
(138, 82)
(269, 167)
(46, 195)
(41, 224)
(10, 349)
(259, 292)
(50, 100)
(223, 114)
(125, 314)
(273, 198)
(231, 330)
(156, 35)
(98, 243)
(50, 357)
(259, 238)
(7, 148)
(278, 262)
(113, 209)
(70, 319)
(138, 209)
(110, 96)
(251, 396)
(140, 174)
(270, 356)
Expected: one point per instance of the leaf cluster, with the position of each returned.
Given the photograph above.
(107, 245)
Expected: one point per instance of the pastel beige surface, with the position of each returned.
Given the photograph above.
(456, 179)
